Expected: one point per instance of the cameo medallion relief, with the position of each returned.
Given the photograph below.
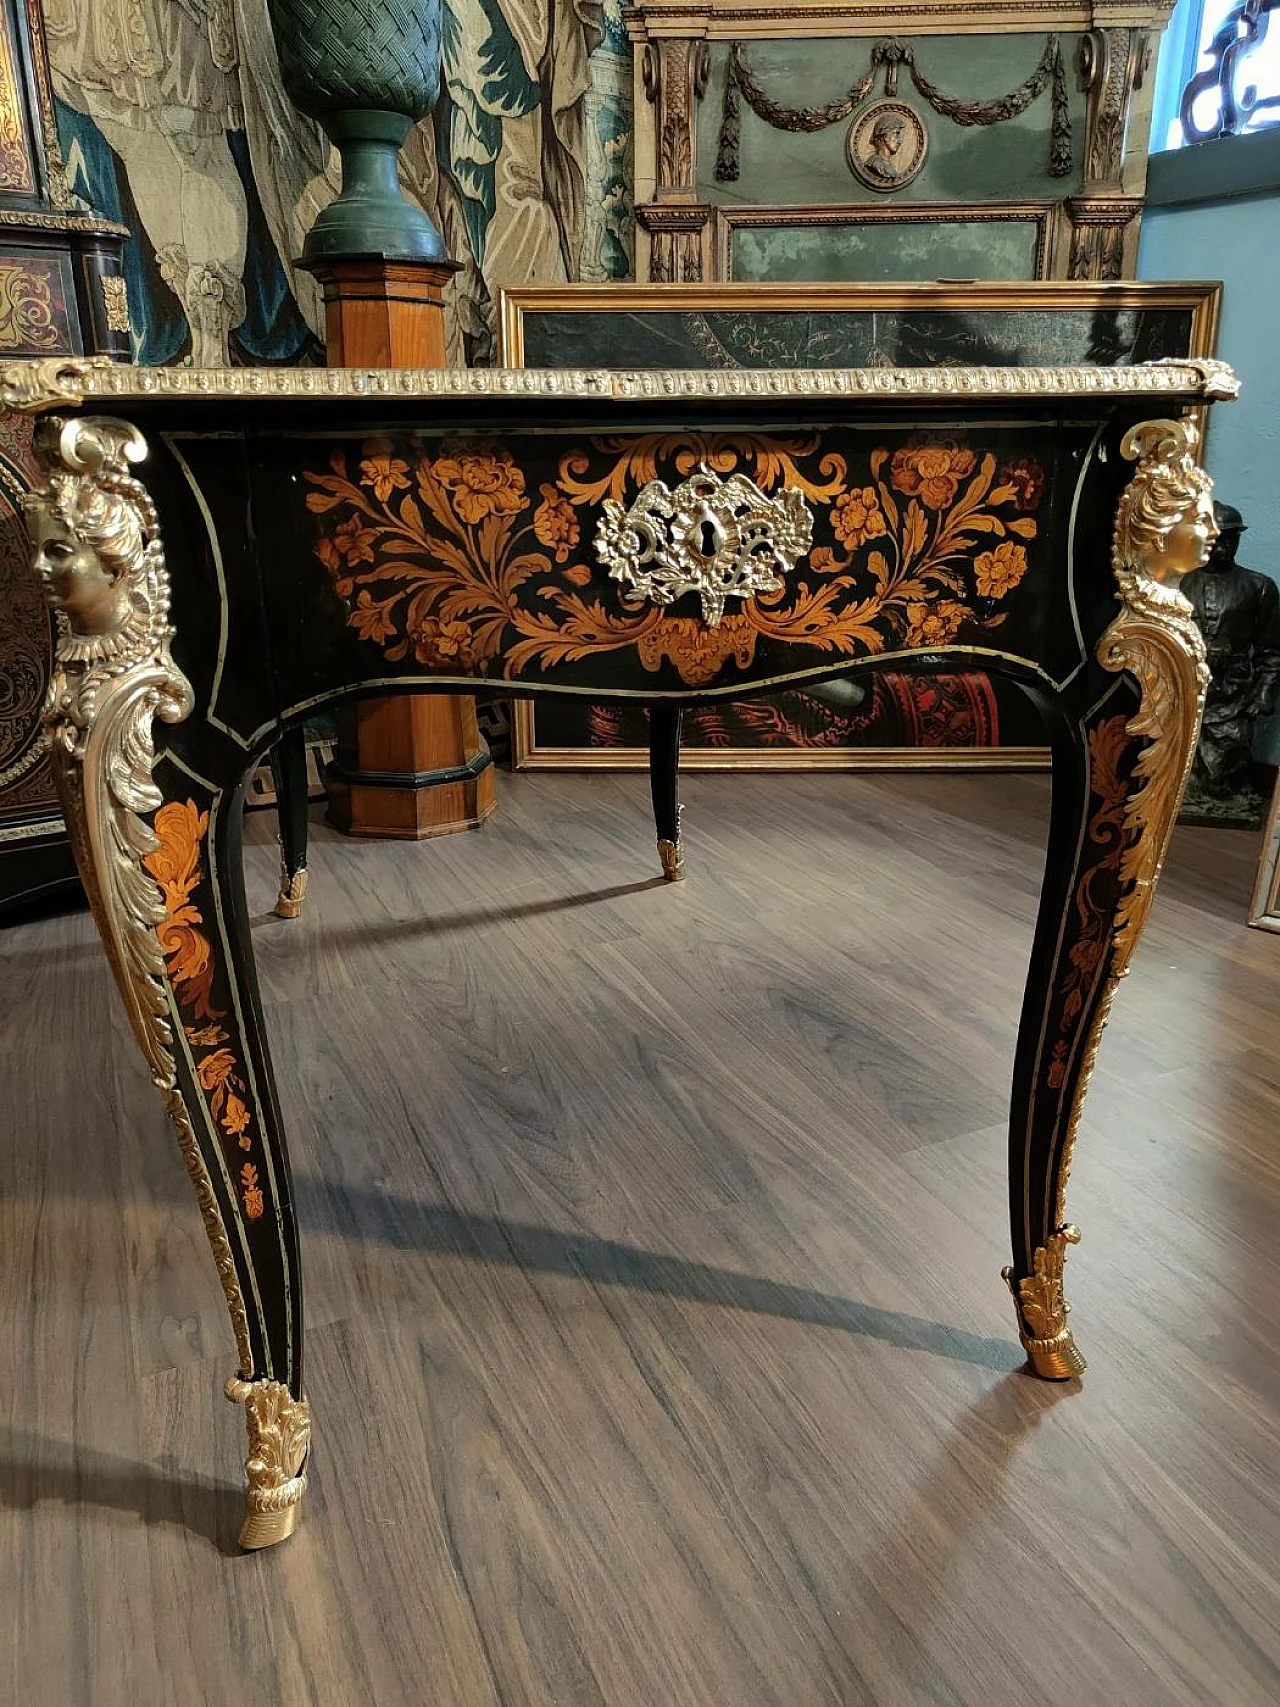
(887, 146)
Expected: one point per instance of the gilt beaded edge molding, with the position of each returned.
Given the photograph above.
(30, 387)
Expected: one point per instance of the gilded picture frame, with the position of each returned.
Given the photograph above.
(1019, 324)
(1264, 909)
(1035, 218)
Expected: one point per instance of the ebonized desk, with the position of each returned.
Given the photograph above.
(228, 551)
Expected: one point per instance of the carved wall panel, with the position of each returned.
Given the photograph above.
(715, 97)
(876, 143)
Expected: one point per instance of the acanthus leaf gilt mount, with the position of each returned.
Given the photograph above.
(1164, 528)
(100, 557)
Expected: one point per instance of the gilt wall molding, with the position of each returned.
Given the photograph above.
(745, 20)
(1102, 231)
(678, 233)
(674, 74)
(1113, 67)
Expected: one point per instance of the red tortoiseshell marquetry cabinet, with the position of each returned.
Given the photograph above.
(62, 290)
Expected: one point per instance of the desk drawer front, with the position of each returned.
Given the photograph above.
(491, 558)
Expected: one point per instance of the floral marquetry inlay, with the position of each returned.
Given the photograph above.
(180, 828)
(455, 557)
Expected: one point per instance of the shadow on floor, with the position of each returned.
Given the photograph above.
(35, 1470)
(428, 924)
(403, 1224)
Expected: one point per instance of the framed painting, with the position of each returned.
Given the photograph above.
(909, 721)
(905, 242)
(1264, 909)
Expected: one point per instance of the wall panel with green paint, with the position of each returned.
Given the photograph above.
(1002, 162)
(879, 253)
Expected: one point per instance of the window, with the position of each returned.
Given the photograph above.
(1219, 71)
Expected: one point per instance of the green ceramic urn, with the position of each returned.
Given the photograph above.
(366, 70)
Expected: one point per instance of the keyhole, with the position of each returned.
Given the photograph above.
(707, 538)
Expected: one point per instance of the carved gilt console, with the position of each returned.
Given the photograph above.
(711, 76)
(228, 550)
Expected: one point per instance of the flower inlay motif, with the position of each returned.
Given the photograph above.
(451, 555)
(181, 827)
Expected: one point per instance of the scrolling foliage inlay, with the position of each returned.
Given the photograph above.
(451, 560)
(180, 828)
(1111, 752)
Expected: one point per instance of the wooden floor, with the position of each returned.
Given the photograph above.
(657, 1343)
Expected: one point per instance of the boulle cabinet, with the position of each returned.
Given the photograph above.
(229, 551)
(62, 289)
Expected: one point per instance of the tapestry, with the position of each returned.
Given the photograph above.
(173, 120)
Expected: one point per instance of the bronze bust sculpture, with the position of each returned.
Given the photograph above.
(1238, 612)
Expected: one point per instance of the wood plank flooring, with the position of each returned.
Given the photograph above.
(652, 1240)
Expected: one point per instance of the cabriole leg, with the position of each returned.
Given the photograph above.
(664, 781)
(224, 1073)
(289, 771)
(1119, 776)
(159, 856)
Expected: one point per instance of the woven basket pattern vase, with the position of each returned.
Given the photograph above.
(341, 54)
(367, 70)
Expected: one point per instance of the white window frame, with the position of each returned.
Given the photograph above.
(1180, 59)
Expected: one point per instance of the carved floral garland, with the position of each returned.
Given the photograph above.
(189, 964)
(891, 52)
(451, 561)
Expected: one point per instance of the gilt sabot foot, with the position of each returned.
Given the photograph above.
(293, 892)
(276, 1467)
(672, 856)
(1042, 1311)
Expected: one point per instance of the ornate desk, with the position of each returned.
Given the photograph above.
(227, 551)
